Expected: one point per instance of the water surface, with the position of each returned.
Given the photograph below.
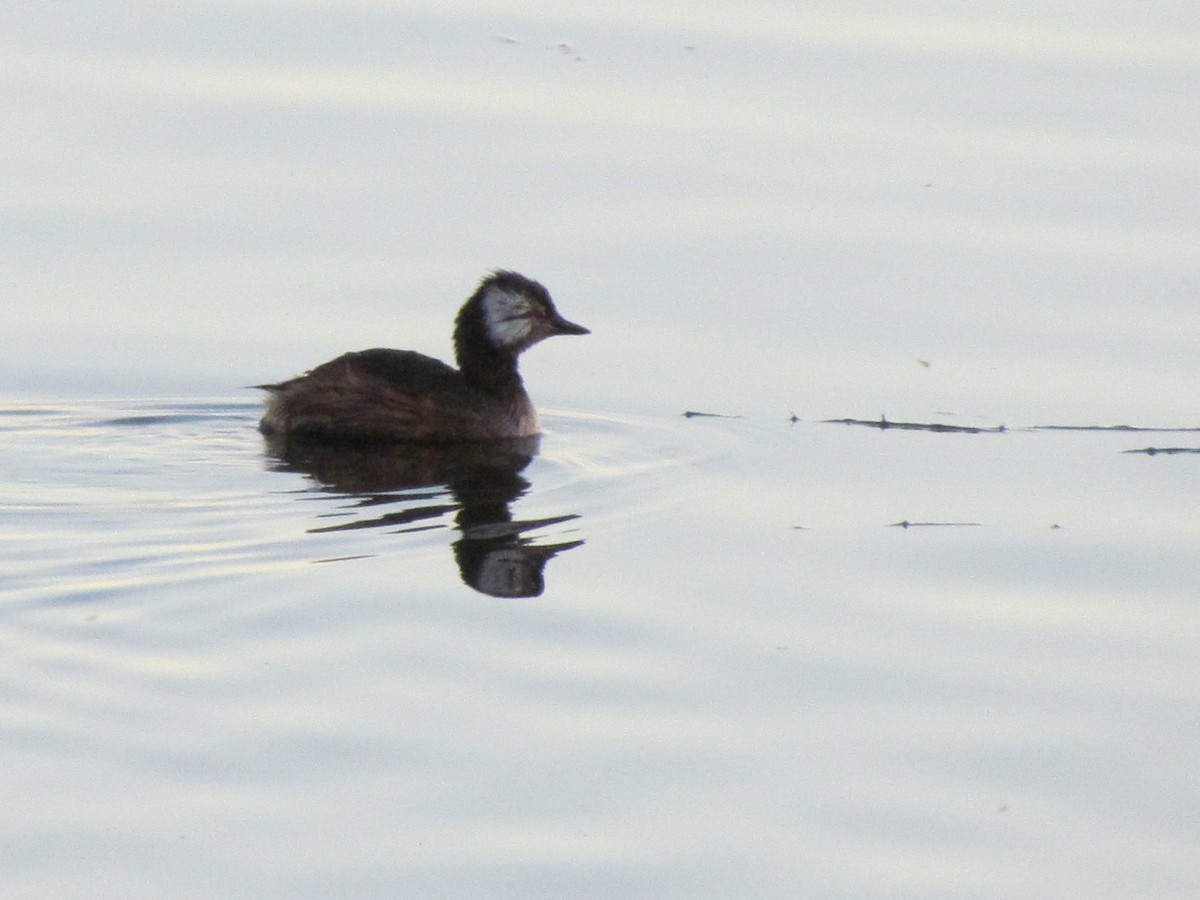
(765, 655)
(736, 675)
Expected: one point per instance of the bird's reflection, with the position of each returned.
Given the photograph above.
(477, 481)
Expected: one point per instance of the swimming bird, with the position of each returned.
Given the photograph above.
(384, 395)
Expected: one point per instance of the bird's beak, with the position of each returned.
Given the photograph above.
(562, 326)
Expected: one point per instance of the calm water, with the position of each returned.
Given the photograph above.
(655, 655)
(230, 673)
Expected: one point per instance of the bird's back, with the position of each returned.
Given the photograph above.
(385, 394)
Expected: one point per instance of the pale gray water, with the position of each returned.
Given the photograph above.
(211, 691)
(732, 674)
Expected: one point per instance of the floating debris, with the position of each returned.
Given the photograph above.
(567, 48)
(1154, 451)
(1132, 428)
(883, 424)
(908, 524)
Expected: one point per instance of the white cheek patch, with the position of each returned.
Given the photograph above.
(507, 318)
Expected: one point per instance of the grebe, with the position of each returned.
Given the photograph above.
(399, 395)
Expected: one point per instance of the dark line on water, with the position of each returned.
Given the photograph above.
(1121, 428)
(175, 419)
(883, 424)
(908, 524)
(1166, 451)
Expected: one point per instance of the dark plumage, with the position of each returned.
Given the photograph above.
(399, 395)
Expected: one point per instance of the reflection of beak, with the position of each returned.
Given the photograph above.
(562, 326)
